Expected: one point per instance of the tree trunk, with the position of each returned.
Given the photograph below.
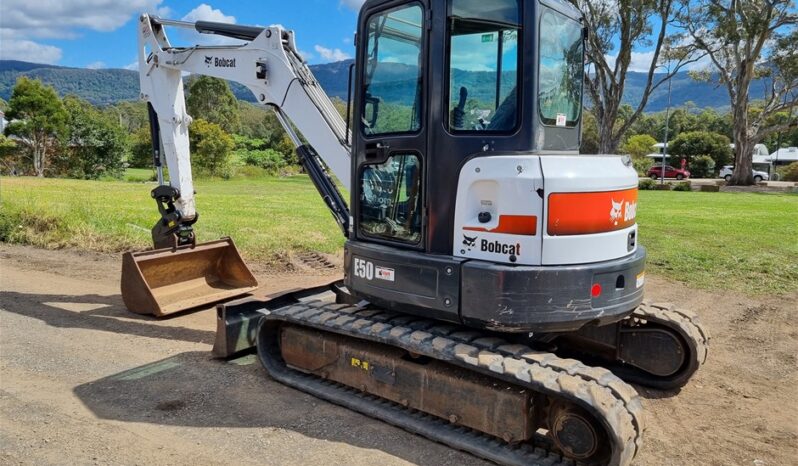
(38, 160)
(743, 149)
(608, 141)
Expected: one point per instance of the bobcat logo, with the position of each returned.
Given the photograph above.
(208, 60)
(616, 211)
(469, 242)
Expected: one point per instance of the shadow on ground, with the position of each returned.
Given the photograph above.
(103, 313)
(193, 389)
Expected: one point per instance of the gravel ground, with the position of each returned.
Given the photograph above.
(82, 381)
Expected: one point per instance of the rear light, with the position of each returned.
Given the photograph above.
(595, 290)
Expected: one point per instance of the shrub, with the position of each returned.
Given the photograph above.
(642, 165)
(683, 186)
(702, 166)
(268, 159)
(639, 145)
(647, 184)
(211, 148)
(693, 144)
(789, 173)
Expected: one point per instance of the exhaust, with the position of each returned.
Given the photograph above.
(167, 281)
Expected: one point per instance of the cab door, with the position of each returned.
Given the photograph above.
(388, 176)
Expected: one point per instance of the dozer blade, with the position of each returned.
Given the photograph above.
(166, 281)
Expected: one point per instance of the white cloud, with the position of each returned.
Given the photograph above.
(306, 55)
(205, 12)
(353, 5)
(641, 61)
(132, 66)
(62, 18)
(98, 65)
(331, 54)
(27, 50)
(23, 20)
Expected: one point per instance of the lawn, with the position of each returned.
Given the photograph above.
(725, 241)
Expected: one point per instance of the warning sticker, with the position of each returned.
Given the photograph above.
(384, 273)
(562, 120)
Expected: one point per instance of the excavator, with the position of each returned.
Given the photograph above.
(492, 297)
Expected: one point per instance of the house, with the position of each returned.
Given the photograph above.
(784, 156)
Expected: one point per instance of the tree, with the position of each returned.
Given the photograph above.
(639, 145)
(140, 149)
(748, 40)
(697, 143)
(589, 143)
(37, 118)
(8, 155)
(620, 27)
(94, 145)
(211, 148)
(212, 100)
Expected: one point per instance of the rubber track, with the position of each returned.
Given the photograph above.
(599, 391)
(684, 322)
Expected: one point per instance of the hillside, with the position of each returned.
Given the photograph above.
(106, 86)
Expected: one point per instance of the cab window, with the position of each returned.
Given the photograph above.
(393, 72)
(561, 69)
(483, 65)
(390, 199)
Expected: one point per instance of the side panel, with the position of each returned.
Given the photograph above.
(406, 281)
(599, 190)
(499, 210)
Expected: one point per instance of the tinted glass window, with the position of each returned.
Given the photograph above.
(392, 100)
(483, 65)
(561, 69)
(390, 199)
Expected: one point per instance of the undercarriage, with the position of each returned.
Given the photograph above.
(476, 391)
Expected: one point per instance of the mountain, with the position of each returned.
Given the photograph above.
(106, 86)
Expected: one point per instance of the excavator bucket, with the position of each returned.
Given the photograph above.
(166, 281)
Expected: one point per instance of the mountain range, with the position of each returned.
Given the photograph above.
(108, 86)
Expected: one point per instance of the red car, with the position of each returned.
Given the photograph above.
(655, 172)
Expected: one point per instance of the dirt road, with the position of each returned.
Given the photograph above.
(82, 381)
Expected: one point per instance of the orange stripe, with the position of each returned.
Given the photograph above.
(513, 225)
(588, 213)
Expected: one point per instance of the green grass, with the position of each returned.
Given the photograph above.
(138, 175)
(723, 241)
(728, 241)
(267, 217)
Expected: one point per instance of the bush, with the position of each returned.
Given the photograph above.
(693, 144)
(639, 145)
(702, 166)
(647, 185)
(683, 186)
(211, 148)
(642, 165)
(268, 159)
(789, 173)
(141, 149)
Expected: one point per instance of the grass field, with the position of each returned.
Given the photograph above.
(725, 241)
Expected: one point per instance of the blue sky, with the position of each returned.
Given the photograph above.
(102, 34)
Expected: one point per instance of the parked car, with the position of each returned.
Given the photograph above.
(727, 170)
(655, 172)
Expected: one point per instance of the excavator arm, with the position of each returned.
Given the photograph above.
(270, 66)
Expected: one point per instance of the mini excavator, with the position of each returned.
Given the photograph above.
(492, 297)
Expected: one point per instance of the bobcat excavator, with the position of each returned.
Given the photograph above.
(492, 297)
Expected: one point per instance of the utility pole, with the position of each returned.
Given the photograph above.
(667, 127)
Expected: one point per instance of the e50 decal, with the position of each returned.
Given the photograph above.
(366, 270)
